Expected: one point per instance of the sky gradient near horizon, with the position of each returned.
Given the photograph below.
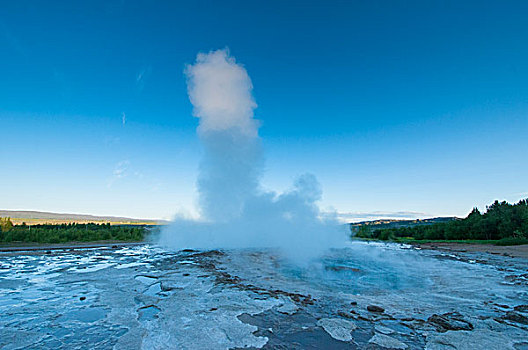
(400, 109)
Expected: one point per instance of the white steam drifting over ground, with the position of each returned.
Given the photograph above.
(235, 211)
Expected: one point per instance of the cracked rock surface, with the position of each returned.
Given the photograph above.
(146, 297)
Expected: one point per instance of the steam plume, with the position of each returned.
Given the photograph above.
(235, 210)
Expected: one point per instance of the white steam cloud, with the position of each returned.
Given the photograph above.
(235, 211)
(220, 91)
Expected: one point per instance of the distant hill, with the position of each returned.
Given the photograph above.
(38, 217)
(391, 223)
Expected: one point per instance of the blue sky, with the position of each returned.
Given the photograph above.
(399, 108)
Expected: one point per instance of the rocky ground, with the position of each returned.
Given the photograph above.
(39, 248)
(365, 296)
(517, 251)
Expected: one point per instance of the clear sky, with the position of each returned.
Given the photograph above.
(400, 108)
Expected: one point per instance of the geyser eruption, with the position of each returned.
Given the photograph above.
(220, 91)
(235, 211)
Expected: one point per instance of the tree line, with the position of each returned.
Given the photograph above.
(501, 221)
(73, 232)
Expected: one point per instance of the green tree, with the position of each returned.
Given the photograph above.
(6, 224)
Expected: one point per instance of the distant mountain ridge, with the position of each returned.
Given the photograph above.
(42, 215)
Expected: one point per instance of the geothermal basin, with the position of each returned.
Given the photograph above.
(364, 296)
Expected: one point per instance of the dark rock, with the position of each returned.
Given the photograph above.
(452, 321)
(213, 309)
(516, 317)
(375, 308)
(207, 254)
(521, 346)
(115, 246)
(82, 298)
(185, 274)
(48, 251)
(363, 318)
(519, 280)
(345, 314)
(307, 301)
(353, 303)
(416, 323)
(521, 308)
(338, 268)
(166, 288)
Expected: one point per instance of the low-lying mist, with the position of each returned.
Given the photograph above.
(235, 211)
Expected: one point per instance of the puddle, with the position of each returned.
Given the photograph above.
(88, 315)
(153, 290)
(148, 312)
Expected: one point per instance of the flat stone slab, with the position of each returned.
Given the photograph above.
(288, 308)
(467, 340)
(387, 342)
(383, 330)
(338, 328)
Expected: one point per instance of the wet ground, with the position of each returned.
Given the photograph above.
(517, 251)
(365, 296)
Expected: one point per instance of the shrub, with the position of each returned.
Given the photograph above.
(512, 241)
